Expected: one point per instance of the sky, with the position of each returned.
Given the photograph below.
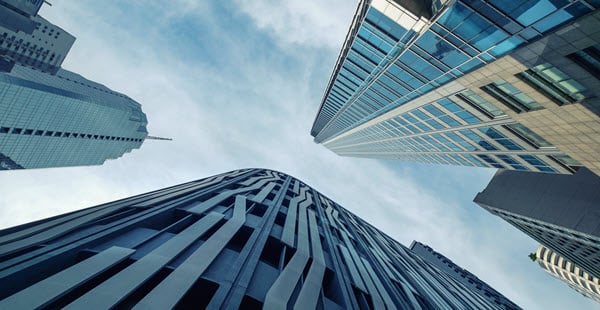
(237, 84)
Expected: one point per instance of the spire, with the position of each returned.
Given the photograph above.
(158, 138)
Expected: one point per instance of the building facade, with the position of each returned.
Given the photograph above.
(460, 274)
(64, 120)
(50, 117)
(558, 211)
(30, 40)
(246, 239)
(489, 83)
(17, 15)
(562, 269)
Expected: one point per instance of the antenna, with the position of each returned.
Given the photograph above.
(158, 138)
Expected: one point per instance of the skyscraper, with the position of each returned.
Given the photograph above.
(558, 211)
(242, 239)
(488, 83)
(64, 120)
(562, 269)
(50, 117)
(460, 274)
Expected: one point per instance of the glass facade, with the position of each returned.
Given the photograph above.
(64, 120)
(399, 54)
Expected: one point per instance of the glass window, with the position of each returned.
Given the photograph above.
(588, 59)
(554, 83)
(512, 97)
(480, 104)
(528, 135)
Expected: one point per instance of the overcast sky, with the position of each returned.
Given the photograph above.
(237, 84)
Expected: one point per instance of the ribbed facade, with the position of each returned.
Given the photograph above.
(460, 274)
(562, 269)
(245, 239)
(558, 211)
(487, 83)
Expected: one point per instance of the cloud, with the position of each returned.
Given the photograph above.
(298, 22)
(234, 97)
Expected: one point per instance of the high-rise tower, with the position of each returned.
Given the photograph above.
(562, 269)
(64, 120)
(488, 83)
(558, 211)
(460, 274)
(50, 117)
(245, 239)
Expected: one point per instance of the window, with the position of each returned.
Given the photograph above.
(512, 97)
(554, 83)
(567, 162)
(588, 59)
(528, 135)
(480, 104)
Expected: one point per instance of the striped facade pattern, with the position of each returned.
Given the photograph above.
(248, 239)
(562, 269)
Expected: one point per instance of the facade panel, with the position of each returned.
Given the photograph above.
(249, 238)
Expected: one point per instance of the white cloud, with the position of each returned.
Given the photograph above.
(312, 23)
(255, 110)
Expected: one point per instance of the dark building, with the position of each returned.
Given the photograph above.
(244, 239)
(562, 212)
(462, 275)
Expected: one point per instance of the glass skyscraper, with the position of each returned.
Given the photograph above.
(50, 117)
(246, 239)
(487, 83)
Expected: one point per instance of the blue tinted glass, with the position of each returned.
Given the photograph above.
(471, 27)
(546, 169)
(490, 132)
(420, 114)
(472, 64)
(433, 110)
(467, 117)
(449, 120)
(506, 46)
(533, 10)
(487, 146)
(449, 105)
(454, 16)
(552, 21)
(489, 38)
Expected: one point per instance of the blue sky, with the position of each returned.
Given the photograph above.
(237, 84)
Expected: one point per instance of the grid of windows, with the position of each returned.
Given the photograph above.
(512, 97)
(65, 120)
(554, 83)
(466, 36)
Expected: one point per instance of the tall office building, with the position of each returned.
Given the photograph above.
(245, 239)
(488, 83)
(50, 117)
(558, 211)
(562, 269)
(460, 274)
(64, 120)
